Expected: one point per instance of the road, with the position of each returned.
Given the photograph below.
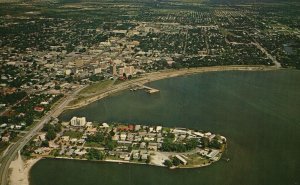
(13, 150)
(263, 50)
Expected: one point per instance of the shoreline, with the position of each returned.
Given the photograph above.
(31, 162)
(160, 75)
(20, 170)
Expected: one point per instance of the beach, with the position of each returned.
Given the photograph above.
(19, 170)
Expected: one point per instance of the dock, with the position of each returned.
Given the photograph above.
(148, 89)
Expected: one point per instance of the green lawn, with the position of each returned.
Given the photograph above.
(195, 160)
(91, 90)
(73, 134)
(96, 87)
(77, 100)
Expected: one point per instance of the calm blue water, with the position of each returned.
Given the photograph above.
(258, 112)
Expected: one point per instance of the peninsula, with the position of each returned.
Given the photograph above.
(64, 55)
(126, 143)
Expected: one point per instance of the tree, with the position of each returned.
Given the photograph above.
(147, 129)
(171, 135)
(111, 145)
(148, 160)
(191, 144)
(98, 138)
(57, 127)
(13, 98)
(176, 65)
(96, 78)
(112, 133)
(57, 87)
(13, 135)
(168, 163)
(216, 144)
(47, 127)
(45, 143)
(205, 141)
(56, 153)
(94, 154)
(50, 135)
(176, 161)
(129, 148)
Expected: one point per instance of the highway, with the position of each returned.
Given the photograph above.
(14, 148)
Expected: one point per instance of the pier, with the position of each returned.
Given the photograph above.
(148, 89)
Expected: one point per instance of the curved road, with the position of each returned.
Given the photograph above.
(13, 150)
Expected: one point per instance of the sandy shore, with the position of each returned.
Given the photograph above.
(19, 171)
(149, 77)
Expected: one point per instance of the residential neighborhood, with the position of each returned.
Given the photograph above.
(43, 53)
(155, 145)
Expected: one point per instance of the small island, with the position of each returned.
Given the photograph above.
(126, 143)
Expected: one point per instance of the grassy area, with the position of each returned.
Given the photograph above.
(73, 134)
(91, 90)
(195, 160)
(96, 87)
(93, 144)
(77, 100)
(119, 82)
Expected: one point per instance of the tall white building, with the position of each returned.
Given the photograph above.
(78, 122)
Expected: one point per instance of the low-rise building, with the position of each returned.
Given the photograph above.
(152, 146)
(181, 159)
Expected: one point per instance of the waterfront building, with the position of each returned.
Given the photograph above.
(158, 128)
(181, 159)
(137, 127)
(78, 122)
